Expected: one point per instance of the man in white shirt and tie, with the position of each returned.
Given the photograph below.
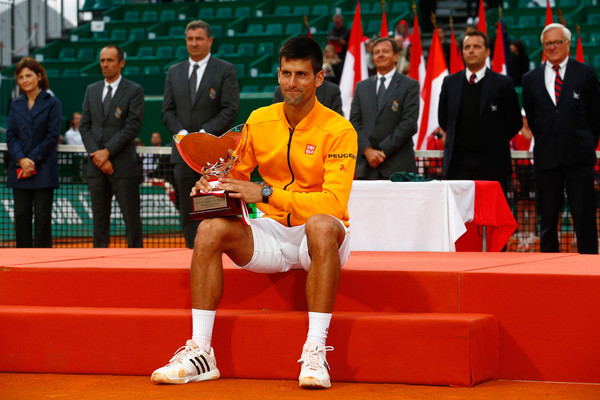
(201, 94)
(111, 118)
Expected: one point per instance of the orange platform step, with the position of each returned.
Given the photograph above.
(544, 303)
(438, 349)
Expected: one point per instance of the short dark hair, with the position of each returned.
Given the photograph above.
(36, 67)
(120, 52)
(386, 39)
(199, 24)
(486, 41)
(302, 48)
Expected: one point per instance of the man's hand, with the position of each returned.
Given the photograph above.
(107, 168)
(28, 166)
(201, 187)
(374, 157)
(100, 157)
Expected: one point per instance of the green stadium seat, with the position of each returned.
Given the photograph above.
(137, 34)
(145, 52)
(70, 72)
(320, 9)
(532, 42)
(100, 35)
(568, 3)
(399, 7)
(177, 32)
(595, 38)
(181, 52)
(376, 8)
(226, 49)
(240, 70)
(206, 14)
(242, 12)
(85, 54)
(131, 16)
(118, 35)
(149, 16)
(255, 29)
(151, 70)
(282, 11)
(374, 26)
(269, 88)
(168, 15)
(164, 52)
(224, 13)
(52, 73)
(596, 61)
(132, 70)
(265, 48)
(66, 54)
(509, 21)
(527, 21)
(301, 10)
(365, 8)
(216, 30)
(249, 89)
(294, 29)
(593, 19)
(274, 29)
(246, 49)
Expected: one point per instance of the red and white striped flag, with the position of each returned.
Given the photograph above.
(456, 61)
(384, 23)
(436, 71)
(499, 62)
(355, 63)
(549, 20)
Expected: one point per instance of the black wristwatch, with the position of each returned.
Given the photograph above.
(266, 192)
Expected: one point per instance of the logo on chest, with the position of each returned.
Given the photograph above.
(310, 149)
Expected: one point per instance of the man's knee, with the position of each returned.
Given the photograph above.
(210, 232)
(323, 229)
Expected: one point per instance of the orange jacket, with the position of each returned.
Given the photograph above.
(310, 168)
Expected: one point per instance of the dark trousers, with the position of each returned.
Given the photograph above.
(127, 193)
(185, 179)
(579, 182)
(33, 204)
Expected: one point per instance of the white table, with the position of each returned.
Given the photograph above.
(409, 216)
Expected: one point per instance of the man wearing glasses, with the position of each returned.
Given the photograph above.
(562, 102)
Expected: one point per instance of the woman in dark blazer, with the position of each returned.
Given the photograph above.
(34, 127)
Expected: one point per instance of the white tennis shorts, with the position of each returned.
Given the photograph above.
(279, 248)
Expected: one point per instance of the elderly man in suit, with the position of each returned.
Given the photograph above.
(328, 94)
(562, 101)
(113, 111)
(384, 112)
(201, 95)
(479, 110)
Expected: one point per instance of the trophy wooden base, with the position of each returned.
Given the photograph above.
(212, 205)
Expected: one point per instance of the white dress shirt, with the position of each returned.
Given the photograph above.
(550, 76)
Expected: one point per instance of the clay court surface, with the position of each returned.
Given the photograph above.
(101, 387)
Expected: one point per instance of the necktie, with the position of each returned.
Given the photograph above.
(107, 99)
(472, 79)
(557, 83)
(193, 81)
(381, 93)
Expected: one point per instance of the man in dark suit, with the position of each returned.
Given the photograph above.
(113, 111)
(562, 102)
(201, 95)
(384, 112)
(479, 110)
(328, 94)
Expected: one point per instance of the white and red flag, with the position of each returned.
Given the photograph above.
(434, 77)
(384, 23)
(499, 61)
(355, 63)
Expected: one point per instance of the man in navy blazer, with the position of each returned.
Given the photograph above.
(479, 110)
(111, 118)
(562, 102)
(384, 112)
(212, 108)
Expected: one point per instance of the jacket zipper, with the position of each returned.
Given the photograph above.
(289, 146)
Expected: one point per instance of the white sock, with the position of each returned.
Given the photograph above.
(202, 327)
(318, 327)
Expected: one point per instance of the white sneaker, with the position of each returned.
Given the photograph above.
(189, 364)
(314, 366)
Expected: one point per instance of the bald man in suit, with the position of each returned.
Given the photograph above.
(111, 119)
(212, 107)
(384, 112)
